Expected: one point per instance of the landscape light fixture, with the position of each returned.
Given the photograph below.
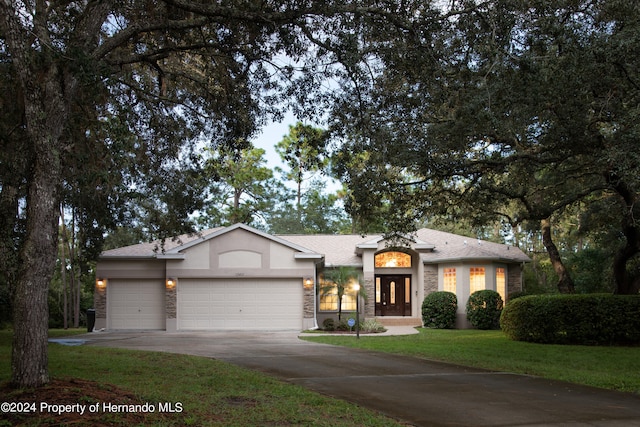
(356, 287)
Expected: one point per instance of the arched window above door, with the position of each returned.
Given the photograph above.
(392, 259)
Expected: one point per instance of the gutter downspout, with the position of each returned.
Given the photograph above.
(315, 296)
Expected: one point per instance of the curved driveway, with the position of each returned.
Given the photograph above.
(419, 392)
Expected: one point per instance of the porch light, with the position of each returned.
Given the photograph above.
(308, 283)
(171, 283)
(101, 283)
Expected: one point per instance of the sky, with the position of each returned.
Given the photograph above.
(271, 135)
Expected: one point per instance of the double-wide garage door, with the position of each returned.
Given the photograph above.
(239, 304)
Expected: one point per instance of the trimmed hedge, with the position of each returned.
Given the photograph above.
(484, 308)
(439, 310)
(593, 319)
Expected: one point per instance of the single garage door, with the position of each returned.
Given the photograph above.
(135, 304)
(239, 304)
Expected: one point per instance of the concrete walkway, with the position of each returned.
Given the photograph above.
(390, 330)
(416, 391)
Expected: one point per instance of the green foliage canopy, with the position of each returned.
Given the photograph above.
(511, 112)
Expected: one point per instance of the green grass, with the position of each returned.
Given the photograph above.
(615, 368)
(212, 392)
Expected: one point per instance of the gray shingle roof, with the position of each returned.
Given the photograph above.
(151, 249)
(338, 249)
(451, 247)
(341, 249)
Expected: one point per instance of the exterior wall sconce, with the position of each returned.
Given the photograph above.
(308, 283)
(101, 283)
(171, 283)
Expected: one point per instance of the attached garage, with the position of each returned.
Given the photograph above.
(205, 304)
(231, 278)
(136, 304)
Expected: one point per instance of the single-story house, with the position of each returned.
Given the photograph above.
(238, 277)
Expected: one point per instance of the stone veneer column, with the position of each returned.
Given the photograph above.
(170, 304)
(308, 301)
(514, 279)
(370, 302)
(100, 304)
(170, 301)
(430, 279)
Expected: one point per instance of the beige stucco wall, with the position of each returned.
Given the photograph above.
(196, 257)
(131, 269)
(514, 282)
(237, 254)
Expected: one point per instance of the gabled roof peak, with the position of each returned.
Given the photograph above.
(397, 240)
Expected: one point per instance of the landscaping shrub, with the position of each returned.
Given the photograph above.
(329, 324)
(484, 309)
(371, 326)
(343, 326)
(592, 319)
(439, 310)
(517, 294)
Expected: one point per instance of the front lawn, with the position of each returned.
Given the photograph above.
(616, 368)
(200, 391)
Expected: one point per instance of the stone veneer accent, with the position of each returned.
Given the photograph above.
(514, 279)
(370, 302)
(308, 301)
(100, 302)
(170, 299)
(430, 279)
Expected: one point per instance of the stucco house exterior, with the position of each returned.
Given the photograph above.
(238, 277)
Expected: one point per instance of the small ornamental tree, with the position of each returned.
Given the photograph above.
(484, 309)
(340, 281)
(439, 310)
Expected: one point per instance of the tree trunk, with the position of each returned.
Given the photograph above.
(9, 196)
(29, 357)
(63, 279)
(75, 280)
(565, 283)
(626, 284)
(45, 114)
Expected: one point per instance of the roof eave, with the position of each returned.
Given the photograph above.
(171, 256)
(304, 255)
(469, 259)
(126, 257)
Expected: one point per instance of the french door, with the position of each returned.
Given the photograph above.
(393, 295)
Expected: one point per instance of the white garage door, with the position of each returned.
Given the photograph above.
(135, 304)
(240, 304)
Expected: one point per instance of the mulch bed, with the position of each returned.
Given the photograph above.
(70, 392)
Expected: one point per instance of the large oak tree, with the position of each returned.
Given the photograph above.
(110, 100)
(517, 111)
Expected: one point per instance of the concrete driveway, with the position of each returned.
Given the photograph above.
(419, 392)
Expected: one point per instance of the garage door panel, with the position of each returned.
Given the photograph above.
(239, 304)
(136, 304)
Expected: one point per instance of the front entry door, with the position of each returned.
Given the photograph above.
(393, 295)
